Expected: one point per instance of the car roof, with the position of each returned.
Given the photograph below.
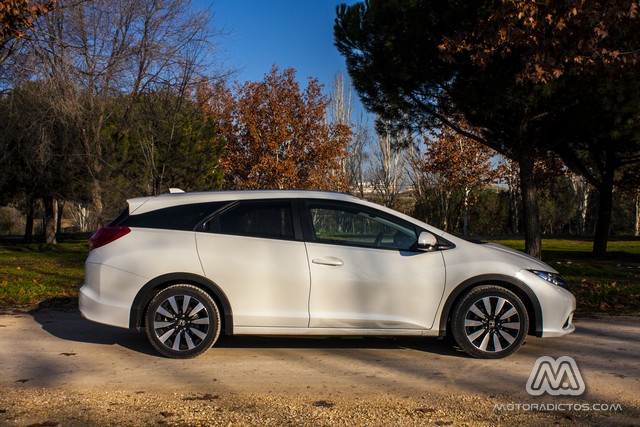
(146, 204)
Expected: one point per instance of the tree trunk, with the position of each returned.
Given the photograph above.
(584, 210)
(514, 213)
(605, 208)
(28, 228)
(60, 214)
(465, 218)
(96, 204)
(581, 188)
(49, 220)
(445, 211)
(637, 232)
(530, 207)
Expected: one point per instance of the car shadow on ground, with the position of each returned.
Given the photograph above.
(425, 344)
(69, 325)
(65, 322)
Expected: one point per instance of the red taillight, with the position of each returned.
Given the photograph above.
(107, 235)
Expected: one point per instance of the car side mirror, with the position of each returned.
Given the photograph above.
(427, 242)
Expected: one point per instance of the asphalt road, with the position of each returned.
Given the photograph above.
(61, 350)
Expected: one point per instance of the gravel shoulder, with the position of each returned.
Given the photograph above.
(59, 369)
(53, 407)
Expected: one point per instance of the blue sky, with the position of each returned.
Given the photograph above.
(288, 33)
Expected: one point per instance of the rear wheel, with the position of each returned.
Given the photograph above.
(490, 322)
(183, 321)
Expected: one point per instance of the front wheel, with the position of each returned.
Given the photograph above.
(183, 321)
(489, 322)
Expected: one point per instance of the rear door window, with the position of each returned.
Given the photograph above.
(272, 220)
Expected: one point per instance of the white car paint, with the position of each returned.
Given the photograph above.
(304, 287)
(377, 289)
(266, 281)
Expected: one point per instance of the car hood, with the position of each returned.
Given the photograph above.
(520, 258)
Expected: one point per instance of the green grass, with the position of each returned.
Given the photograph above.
(31, 274)
(601, 285)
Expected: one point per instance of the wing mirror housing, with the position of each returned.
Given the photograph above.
(427, 242)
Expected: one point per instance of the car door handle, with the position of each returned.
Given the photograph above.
(328, 260)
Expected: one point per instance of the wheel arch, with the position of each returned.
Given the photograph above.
(529, 299)
(147, 292)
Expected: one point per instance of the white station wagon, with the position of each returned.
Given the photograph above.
(186, 267)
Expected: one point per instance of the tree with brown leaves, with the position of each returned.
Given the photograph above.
(16, 18)
(456, 163)
(277, 135)
(558, 37)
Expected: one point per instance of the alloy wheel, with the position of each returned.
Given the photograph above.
(489, 322)
(182, 321)
(492, 324)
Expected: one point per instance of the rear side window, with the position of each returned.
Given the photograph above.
(183, 217)
(123, 215)
(273, 220)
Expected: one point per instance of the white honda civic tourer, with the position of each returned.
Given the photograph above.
(186, 267)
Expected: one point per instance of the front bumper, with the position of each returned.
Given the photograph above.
(557, 305)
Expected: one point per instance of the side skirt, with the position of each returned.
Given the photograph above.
(251, 330)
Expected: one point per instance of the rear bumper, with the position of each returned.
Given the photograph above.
(107, 294)
(98, 310)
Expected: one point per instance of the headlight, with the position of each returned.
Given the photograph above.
(554, 278)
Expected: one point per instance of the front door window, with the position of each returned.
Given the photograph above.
(345, 226)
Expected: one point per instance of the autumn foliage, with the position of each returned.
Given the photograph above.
(277, 135)
(18, 16)
(459, 161)
(557, 37)
(454, 163)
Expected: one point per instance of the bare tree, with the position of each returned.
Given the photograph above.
(340, 112)
(510, 175)
(415, 174)
(341, 100)
(388, 164)
(582, 190)
(356, 160)
(98, 50)
(637, 215)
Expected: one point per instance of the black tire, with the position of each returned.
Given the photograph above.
(182, 321)
(489, 322)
